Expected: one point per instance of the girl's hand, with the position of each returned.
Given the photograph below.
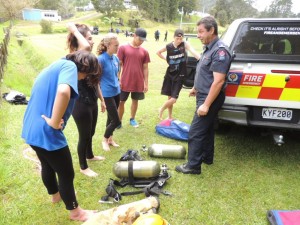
(192, 92)
(103, 106)
(71, 27)
(59, 126)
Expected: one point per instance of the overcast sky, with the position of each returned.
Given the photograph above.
(262, 4)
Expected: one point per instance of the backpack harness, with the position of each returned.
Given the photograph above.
(150, 186)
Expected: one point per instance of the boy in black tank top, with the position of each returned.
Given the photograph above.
(176, 58)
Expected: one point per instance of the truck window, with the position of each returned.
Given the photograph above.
(268, 38)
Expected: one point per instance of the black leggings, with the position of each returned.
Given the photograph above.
(58, 162)
(113, 120)
(85, 116)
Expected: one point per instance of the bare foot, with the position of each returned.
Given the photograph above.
(97, 158)
(56, 197)
(112, 142)
(80, 214)
(160, 113)
(105, 145)
(88, 172)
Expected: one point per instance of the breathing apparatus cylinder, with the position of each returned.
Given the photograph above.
(167, 151)
(136, 169)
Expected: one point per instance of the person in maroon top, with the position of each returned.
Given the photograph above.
(134, 61)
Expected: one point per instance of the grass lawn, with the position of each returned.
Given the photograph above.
(250, 174)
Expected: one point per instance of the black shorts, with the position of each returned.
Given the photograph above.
(134, 95)
(171, 87)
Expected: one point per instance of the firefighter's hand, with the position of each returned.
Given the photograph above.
(202, 110)
(192, 92)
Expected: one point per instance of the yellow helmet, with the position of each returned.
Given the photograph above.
(150, 219)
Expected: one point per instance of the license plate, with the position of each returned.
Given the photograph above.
(277, 114)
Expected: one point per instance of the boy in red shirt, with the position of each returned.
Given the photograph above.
(134, 61)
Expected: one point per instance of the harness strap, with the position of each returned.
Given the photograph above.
(149, 190)
(132, 193)
(153, 188)
(111, 192)
(130, 172)
(121, 183)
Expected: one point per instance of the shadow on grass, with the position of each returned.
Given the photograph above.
(244, 144)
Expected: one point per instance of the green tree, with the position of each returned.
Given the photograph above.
(66, 8)
(221, 11)
(158, 10)
(163, 15)
(148, 8)
(135, 18)
(249, 2)
(154, 8)
(223, 18)
(110, 21)
(279, 8)
(206, 6)
(108, 7)
(48, 4)
(225, 11)
(81, 3)
(47, 26)
(240, 9)
(173, 7)
(12, 9)
(187, 5)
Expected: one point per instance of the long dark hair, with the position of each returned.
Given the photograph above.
(72, 42)
(87, 63)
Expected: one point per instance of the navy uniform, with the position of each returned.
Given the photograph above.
(215, 58)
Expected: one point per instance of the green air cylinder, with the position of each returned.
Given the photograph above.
(167, 151)
(136, 169)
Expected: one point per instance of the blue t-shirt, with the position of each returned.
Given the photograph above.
(109, 83)
(36, 131)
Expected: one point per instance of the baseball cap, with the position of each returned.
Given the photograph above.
(141, 33)
(179, 33)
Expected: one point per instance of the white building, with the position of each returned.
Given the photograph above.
(51, 15)
(128, 4)
(40, 14)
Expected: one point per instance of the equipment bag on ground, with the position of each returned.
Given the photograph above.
(284, 217)
(15, 97)
(174, 129)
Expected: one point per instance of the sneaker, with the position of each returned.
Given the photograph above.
(133, 123)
